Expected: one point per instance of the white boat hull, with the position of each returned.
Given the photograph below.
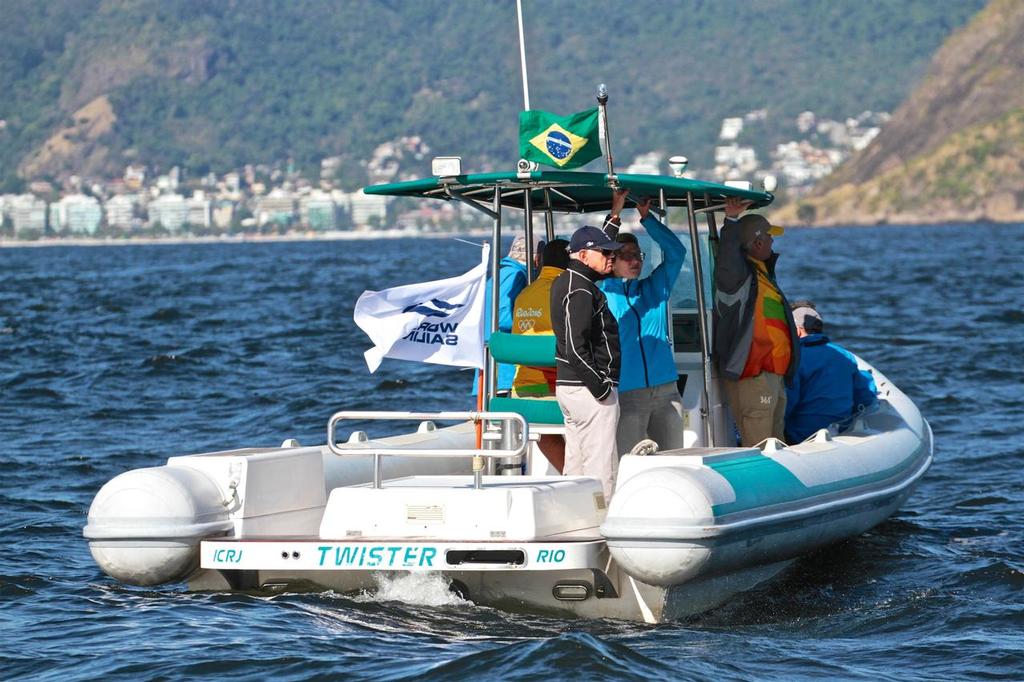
(686, 530)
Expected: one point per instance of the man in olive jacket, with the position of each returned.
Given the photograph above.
(756, 344)
(587, 358)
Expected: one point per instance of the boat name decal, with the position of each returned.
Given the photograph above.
(227, 556)
(374, 556)
(550, 556)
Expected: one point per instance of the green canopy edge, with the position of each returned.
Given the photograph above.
(567, 191)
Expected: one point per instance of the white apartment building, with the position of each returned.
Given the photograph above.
(277, 207)
(318, 211)
(77, 213)
(364, 207)
(734, 162)
(6, 206)
(731, 128)
(645, 164)
(232, 182)
(806, 121)
(862, 138)
(222, 213)
(199, 210)
(170, 210)
(121, 210)
(28, 212)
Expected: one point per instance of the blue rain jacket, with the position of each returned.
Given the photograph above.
(641, 308)
(827, 389)
(511, 281)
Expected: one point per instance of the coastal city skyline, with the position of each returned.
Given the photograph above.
(278, 199)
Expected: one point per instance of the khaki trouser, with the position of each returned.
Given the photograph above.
(655, 413)
(758, 406)
(590, 435)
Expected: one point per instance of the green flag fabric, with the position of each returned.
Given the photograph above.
(559, 141)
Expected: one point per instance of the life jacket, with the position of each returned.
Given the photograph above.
(531, 314)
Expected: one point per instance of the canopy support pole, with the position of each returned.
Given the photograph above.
(491, 369)
(471, 203)
(528, 231)
(702, 323)
(712, 232)
(602, 104)
(668, 308)
(549, 216)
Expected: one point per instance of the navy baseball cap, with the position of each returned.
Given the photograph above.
(590, 237)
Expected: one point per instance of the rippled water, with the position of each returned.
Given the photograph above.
(113, 358)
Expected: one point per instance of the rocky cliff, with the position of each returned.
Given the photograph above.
(953, 151)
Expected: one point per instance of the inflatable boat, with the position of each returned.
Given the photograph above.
(470, 497)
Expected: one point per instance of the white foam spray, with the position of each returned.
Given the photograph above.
(423, 589)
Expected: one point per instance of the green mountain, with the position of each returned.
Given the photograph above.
(954, 151)
(87, 86)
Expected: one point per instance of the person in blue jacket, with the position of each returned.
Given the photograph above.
(511, 281)
(649, 402)
(828, 387)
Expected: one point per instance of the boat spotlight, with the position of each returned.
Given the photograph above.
(446, 166)
(678, 165)
(769, 183)
(524, 168)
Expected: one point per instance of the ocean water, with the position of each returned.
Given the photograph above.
(113, 358)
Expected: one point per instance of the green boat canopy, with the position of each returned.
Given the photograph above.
(567, 191)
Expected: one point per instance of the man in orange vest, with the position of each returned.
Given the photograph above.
(756, 344)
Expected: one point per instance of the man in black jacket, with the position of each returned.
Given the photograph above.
(587, 358)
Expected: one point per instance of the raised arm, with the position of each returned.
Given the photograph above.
(664, 276)
(730, 268)
(613, 221)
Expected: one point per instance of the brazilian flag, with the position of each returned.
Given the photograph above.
(561, 141)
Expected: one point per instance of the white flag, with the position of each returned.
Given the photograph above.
(440, 322)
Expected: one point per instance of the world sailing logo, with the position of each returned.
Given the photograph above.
(434, 333)
(440, 308)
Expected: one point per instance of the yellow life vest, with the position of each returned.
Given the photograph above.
(532, 315)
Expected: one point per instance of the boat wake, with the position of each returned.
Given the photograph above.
(420, 589)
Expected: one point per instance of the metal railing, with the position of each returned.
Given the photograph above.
(490, 435)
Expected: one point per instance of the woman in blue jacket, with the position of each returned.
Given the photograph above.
(649, 402)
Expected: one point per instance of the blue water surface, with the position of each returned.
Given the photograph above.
(113, 358)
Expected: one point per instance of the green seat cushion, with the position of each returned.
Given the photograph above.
(536, 350)
(534, 410)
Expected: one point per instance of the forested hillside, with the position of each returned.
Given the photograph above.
(87, 86)
(954, 151)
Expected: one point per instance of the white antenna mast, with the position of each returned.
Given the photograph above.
(522, 56)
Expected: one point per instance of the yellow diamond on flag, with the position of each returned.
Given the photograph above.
(558, 144)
